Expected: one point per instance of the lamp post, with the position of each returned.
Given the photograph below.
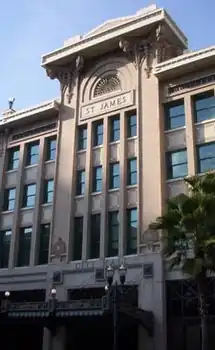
(113, 289)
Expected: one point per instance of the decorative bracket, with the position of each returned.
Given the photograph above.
(67, 76)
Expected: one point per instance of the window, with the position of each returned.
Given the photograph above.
(48, 191)
(131, 231)
(80, 183)
(132, 125)
(13, 158)
(51, 148)
(204, 106)
(114, 129)
(5, 239)
(78, 237)
(29, 195)
(82, 138)
(44, 235)
(132, 171)
(24, 247)
(113, 233)
(177, 164)
(97, 179)
(114, 175)
(9, 199)
(98, 133)
(206, 157)
(32, 153)
(95, 236)
(174, 115)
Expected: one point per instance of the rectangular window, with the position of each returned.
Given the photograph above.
(44, 244)
(9, 199)
(82, 137)
(98, 133)
(113, 233)
(114, 175)
(206, 157)
(95, 236)
(24, 247)
(80, 182)
(131, 238)
(204, 106)
(51, 148)
(32, 153)
(48, 191)
(78, 238)
(114, 129)
(5, 239)
(174, 114)
(29, 195)
(13, 158)
(177, 164)
(132, 171)
(132, 125)
(97, 179)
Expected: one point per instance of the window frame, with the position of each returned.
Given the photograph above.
(43, 253)
(198, 97)
(78, 238)
(97, 134)
(26, 196)
(21, 249)
(7, 199)
(97, 181)
(50, 149)
(170, 166)
(5, 248)
(111, 232)
(130, 126)
(30, 155)
(95, 234)
(113, 130)
(47, 191)
(80, 183)
(129, 226)
(82, 140)
(131, 172)
(11, 152)
(198, 147)
(113, 177)
(167, 115)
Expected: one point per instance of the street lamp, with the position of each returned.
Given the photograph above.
(114, 289)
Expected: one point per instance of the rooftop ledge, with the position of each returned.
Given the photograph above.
(198, 57)
(10, 116)
(111, 31)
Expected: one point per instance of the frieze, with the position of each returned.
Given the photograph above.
(191, 84)
(120, 101)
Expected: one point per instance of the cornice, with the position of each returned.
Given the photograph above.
(8, 117)
(184, 59)
(113, 32)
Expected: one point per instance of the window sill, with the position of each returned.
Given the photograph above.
(96, 193)
(5, 212)
(131, 138)
(49, 161)
(113, 190)
(46, 204)
(178, 179)
(169, 131)
(208, 121)
(131, 186)
(30, 166)
(79, 196)
(112, 143)
(26, 208)
(80, 151)
(11, 171)
(97, 147)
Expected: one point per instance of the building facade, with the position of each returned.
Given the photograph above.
(83, 176)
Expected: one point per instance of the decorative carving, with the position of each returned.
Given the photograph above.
(146, 49)
(107, 84)
(58, 248)
(67, 76)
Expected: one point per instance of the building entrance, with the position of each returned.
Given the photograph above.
(97, 332)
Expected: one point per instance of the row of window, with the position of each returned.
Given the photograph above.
(114, 177)
(32, 153)
(177, 161)
(29, 195)
(24, 246)
(113, 232)
(203, 106)
(114, 135)
(25, 237)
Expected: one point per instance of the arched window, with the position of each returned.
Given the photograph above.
(107, 84)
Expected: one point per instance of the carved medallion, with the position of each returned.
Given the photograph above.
(59, 248)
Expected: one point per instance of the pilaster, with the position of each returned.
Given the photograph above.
(190, 136)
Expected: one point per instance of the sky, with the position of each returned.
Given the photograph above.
(30, 28)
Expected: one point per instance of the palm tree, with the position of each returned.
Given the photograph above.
(188, 229)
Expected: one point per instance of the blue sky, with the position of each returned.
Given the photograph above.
(30, 28)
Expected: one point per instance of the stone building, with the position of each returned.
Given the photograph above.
(83, 176)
